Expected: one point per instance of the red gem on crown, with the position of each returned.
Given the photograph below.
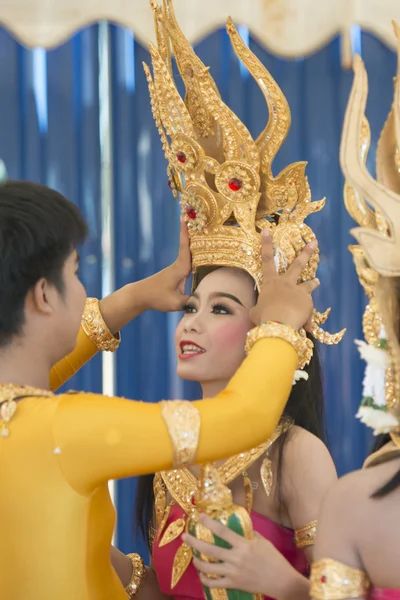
(193, 500)
(323, 579)
(181, 156)
(235, 184)
(191, 212)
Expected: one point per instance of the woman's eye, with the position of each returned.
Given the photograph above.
(188, 309)
(220, 309)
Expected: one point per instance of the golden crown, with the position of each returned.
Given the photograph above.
(221, 175)
(375, 206)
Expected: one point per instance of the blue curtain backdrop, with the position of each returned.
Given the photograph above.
(49, 133)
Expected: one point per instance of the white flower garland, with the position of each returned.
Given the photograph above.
(373, 410)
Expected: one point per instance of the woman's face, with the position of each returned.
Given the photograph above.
(210, 337)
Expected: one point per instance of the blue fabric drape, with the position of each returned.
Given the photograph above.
(49, 133)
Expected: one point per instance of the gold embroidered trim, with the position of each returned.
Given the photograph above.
(160, 498)
(8, 394)
(266, 473)
(95, 328)
(298, 339)
(135, 585)
(183, 486)
(332, 580)
(183, 422)
(305, 536)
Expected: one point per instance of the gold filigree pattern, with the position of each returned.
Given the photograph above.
(332, 580)
(183, 422)
(267, 476)
(160, 496)
(95, 328)
(319, 334)
(195, 211)
(303, 346)
(266, 473)
(173, 531)
(9, 393)
(136, 583)
(305, 536)
(212, 156)
(182, 560)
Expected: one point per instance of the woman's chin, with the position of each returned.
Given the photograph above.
(188, 372)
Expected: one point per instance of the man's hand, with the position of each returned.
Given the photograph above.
(282, 298)
(165, 291)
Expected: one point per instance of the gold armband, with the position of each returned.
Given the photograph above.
(305, 536)
(298, 339)
(332, 580)
(183, 422)
(95, 328)
(135, 585)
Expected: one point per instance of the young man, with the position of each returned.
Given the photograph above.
(58, 452)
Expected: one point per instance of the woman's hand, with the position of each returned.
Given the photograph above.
(254, 566)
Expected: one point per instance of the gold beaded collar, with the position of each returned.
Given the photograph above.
(9, 393)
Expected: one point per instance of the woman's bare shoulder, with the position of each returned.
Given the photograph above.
(306, 451)
(308, 474)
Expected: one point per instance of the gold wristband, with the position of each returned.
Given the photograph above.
(306, 535)
(135, 585)
(183, 422)
(332, 580)
(298, 339)
(95, 328)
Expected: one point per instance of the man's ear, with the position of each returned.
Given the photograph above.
(41, 297)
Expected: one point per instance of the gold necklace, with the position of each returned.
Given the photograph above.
(9, 393)
(182, 486)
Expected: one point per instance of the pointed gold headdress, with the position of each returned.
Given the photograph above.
(223, 176)
(375, 206)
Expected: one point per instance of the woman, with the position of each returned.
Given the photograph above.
(224, 181)
(282, 482)
(365, 504)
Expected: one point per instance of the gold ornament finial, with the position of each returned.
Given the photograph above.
(212, 495)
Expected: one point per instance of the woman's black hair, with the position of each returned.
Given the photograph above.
(394, 482)
(305, 407)
(379, 442)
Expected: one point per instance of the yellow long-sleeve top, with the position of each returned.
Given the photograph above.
(57, 518)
